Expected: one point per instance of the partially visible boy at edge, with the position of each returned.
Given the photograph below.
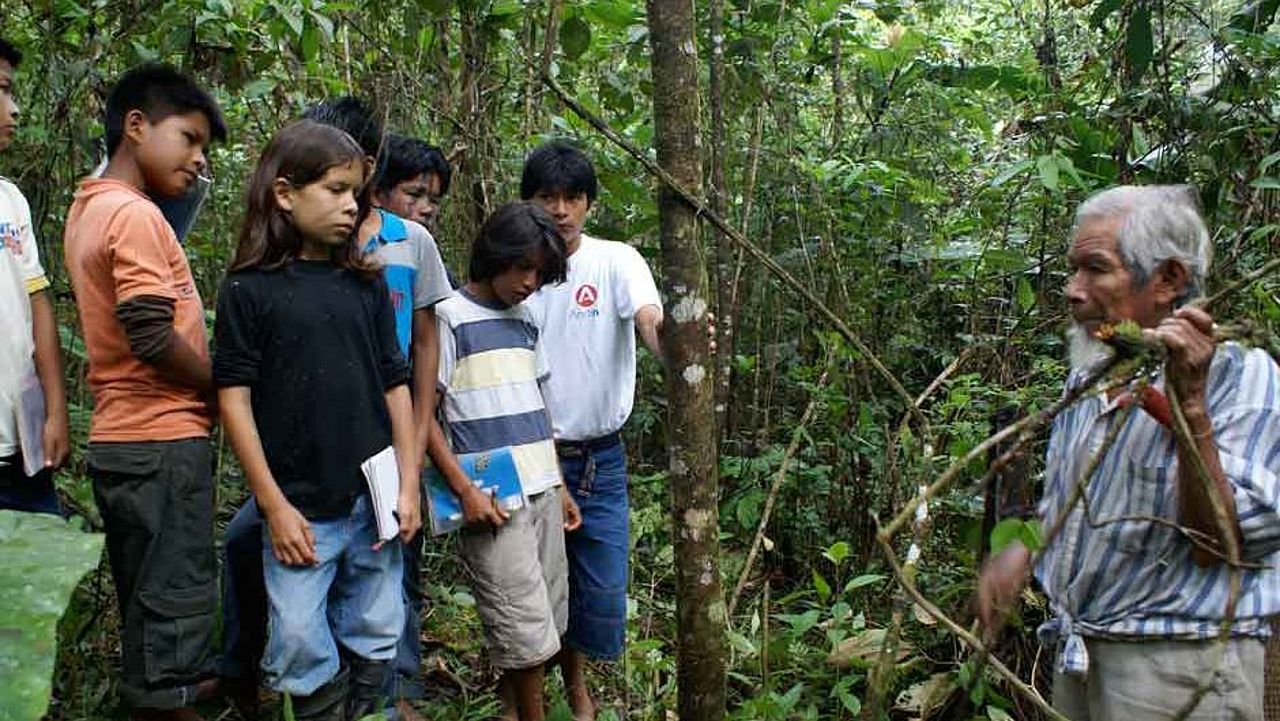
(23, 283)
(149, 455)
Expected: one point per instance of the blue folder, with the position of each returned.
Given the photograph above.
(493, 472)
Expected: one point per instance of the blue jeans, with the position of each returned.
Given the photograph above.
(244, 607)
(20, 492)
(598, 552)
(244, 594)
(351, 600)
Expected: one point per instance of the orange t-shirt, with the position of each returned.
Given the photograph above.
(119, 246)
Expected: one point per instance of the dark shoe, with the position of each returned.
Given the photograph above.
(368, 680)
(328, 703)
(242, 694)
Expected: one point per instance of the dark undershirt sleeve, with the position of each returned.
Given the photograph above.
(148, 323)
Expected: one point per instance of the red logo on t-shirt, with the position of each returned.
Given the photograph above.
(586, 295)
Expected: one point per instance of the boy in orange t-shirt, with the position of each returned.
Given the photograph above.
(149, 455)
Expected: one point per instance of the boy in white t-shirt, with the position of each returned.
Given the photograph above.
(589, 327)
(31, 355)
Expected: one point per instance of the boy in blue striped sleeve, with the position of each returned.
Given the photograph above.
(490, 375)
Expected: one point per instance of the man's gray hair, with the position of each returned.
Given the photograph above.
(1160, 223)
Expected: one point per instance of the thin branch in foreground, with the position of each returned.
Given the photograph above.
(792, 448)
(967, 638)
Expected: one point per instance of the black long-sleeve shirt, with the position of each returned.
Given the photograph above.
(316, 345)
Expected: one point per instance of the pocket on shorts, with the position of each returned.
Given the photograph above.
(177, 628)
(113, 463)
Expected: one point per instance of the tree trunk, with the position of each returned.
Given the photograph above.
(837, 87)
(475, 49)
(724, 266)
(700, 607)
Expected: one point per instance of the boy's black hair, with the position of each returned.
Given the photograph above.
(158, 90)
(405, 158)
(10, 53)
(558, 166)
(351, 114)
(515, 233)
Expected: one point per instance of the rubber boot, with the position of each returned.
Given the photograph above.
(328, 703)
(367, 695)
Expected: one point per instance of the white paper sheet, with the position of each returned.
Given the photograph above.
(383, 474)
(31, 424)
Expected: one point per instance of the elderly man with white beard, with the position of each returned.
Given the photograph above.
(1137, 605)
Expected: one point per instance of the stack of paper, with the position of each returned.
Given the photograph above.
(31, 416)
(383, 474)
(493, 472)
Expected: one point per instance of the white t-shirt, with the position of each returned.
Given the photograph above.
(20, 276)
(588, 334)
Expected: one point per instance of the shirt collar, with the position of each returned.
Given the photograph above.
(392, 230)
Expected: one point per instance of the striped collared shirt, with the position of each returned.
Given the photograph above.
(1115, 575)
(490, 369)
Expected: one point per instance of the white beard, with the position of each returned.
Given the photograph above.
(1086, 352)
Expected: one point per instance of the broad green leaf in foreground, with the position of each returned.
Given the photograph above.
(42, 558)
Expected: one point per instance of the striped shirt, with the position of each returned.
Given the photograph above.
(491, 368)
(1118, 576)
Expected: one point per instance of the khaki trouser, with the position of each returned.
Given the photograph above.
(1150, 680)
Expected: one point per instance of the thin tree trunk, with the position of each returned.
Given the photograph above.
(837, 88)
(472, 110)
(700, 606)
(724, 265)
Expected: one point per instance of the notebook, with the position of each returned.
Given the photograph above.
(383, 474)
(31, 417)
(493, 471)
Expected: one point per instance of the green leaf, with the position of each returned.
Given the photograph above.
(1030, 535)
(42, 558)
(1005, 533)
(1015, 529)
(1139, 46)
(612, 13)
(821, 586)
(837, 552)
(1103, 11)
(1266, 183)
(998, 714)
(1267, 162)
(851, 703)
(310, 44)
(1016, 169)
(292, 18)
(1026, 295)
(1047, 165)
(575, 37)
(865, 579)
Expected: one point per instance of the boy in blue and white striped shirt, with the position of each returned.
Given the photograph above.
(489, 380)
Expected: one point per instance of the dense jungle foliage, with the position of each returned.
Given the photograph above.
(914, 163)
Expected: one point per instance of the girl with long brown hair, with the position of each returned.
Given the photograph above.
(311, 384)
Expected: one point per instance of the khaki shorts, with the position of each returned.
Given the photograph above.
(520, 580)
(1150, 680)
